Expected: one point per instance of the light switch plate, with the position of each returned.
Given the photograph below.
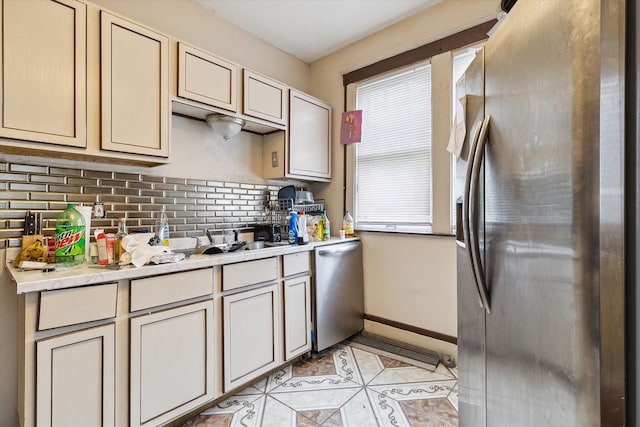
(274, 159)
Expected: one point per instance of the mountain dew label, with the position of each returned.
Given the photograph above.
(70, 241)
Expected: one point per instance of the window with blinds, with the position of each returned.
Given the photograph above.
(393, 159)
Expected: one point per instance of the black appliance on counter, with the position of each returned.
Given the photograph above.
(267, 233)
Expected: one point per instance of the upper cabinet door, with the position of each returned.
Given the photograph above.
(205, 78)
(264, 98)
(309, 136)
(42, 106)
(134, 88)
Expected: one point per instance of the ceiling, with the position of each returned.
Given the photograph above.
(311, 29)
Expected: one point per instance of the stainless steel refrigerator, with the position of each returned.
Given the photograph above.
(541, 220)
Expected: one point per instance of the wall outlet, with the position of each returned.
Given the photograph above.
(274, 159)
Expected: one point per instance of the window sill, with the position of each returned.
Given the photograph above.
(413, 231)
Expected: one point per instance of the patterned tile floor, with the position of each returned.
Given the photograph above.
(346, 385)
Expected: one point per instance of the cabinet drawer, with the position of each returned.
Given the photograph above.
(160, 290)
(66, 307)
(247, 273)
(296, 263)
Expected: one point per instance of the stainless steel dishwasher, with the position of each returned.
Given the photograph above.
(338, 311)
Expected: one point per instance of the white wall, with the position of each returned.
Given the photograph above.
(409, 279)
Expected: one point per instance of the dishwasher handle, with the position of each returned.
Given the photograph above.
(341, 250)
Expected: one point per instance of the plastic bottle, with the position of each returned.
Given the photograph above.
(318, 231)
(292, 236)
(347, 225)
(163, 227)
(70, 239)
(326, 226)
(117, 246)
(303, 233)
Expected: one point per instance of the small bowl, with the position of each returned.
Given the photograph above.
(258, 244)
(304, 197)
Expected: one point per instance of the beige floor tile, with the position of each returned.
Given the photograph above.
(347, 386)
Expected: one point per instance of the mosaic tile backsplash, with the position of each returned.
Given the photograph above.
(193, 205)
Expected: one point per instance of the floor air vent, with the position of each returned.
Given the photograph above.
(400, 348)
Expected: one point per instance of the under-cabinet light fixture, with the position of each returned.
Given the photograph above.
(226, 126)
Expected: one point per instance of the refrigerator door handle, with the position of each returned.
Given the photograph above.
(474, 217)
(465, 206)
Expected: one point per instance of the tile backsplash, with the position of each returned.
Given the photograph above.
(193, 205)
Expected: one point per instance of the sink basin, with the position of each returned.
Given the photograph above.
(254, 245)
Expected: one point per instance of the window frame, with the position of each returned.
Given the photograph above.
(424, 227)
(441, 211)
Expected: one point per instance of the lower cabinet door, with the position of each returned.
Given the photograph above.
(172, 363)
(297, 317)
(76, 378)
(252, 334)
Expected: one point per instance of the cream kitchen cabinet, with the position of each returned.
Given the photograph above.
(80, 83)
(208, 84)
(304, 151)
(297, 304)
(75, 379)
(148, 348)
(206, 78)
(134, 87)
(172, 354)
(172, 363)
(44, 80)
(252, 334)
(309, 136)
(74, 357)
(264, 98)
(251, 320)
(297, 316)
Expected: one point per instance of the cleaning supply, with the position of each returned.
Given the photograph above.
(347, 225)
(292, 236)
(163, 227)
(303, 233)
(70, 239)
(326, 226)
(314, 225)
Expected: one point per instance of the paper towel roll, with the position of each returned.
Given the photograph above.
(86, 213)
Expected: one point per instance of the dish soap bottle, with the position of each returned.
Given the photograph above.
(326, 226)
(292, 235)
(163, 227)
(70, 237)
(347, 225)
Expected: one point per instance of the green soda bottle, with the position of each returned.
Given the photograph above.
(70, 237)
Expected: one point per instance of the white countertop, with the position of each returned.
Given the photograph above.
(36, 280)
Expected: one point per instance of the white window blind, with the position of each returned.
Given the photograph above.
(393, 160)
